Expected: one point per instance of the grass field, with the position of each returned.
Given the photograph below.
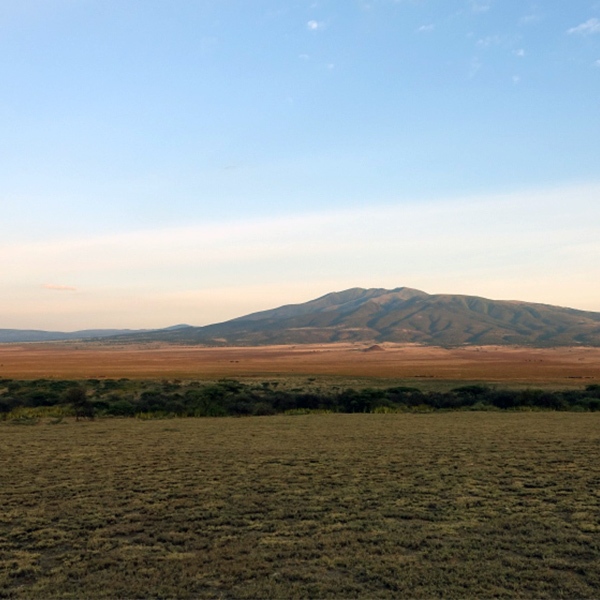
(470, 505)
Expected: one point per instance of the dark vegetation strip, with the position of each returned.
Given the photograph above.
(126, 398)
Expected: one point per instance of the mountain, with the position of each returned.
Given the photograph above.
(34, 335)
(401, 315)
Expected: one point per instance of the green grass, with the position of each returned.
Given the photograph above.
(470, 505)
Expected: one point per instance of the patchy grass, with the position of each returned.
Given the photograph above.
(469, 505)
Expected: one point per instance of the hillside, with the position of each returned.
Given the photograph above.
(35, 335)
(402, 315)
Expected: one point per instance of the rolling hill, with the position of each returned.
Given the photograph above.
(401, 315)
(36, 335)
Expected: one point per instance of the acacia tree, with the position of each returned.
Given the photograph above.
(76, 396)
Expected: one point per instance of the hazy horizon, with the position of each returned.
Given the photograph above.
(266, 308)
(192, 162)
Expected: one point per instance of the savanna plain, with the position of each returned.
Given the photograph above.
(470, 504)
(569, 366)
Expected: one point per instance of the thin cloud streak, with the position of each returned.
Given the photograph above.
(59, 288)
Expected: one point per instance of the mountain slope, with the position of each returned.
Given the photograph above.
(400, 315)
(34, 335)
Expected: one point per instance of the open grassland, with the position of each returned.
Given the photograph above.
(472, 505)
(72, 360)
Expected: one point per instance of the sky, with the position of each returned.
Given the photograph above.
(191, 161)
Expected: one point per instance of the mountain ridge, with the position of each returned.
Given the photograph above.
(401, 315)
(39, 335)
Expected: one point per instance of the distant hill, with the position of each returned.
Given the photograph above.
(34, 335)
(400, 315)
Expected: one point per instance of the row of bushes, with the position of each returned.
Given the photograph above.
(230, 397)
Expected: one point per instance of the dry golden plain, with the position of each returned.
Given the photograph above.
(442, 505)
(495, 364)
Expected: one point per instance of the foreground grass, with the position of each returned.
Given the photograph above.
(468, 505)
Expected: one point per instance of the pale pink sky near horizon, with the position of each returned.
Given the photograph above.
(534, 246)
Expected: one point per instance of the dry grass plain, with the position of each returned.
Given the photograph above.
(469, 505)
(464, 504)
(557, 366)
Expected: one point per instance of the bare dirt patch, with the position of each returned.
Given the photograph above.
(573, 366)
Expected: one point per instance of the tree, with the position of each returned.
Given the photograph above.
(76, 396)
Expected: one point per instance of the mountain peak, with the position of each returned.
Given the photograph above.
(401, 315)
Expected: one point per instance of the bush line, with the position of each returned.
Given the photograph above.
(22, 400)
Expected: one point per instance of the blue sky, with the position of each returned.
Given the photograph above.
(191, 161)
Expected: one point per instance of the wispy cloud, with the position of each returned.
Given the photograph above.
(591, 26)
(505, 42)
(59, 288)
(371, 4)
(474, 67)
(315, 25)
(529, 19)
(426, 28)
(480, 6)
(490, 40)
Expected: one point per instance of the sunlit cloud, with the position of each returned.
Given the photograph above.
(591, 26)
(426, 28)
(314, 25)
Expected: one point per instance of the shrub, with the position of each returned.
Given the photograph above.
(594, 389)
(76, 396)
(594, 404)
(471, 390)
(41, 398)
(5, 408)
(121, 408)
(263, 409)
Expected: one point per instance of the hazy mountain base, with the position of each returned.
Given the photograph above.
(402, 315)
(35, 335)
